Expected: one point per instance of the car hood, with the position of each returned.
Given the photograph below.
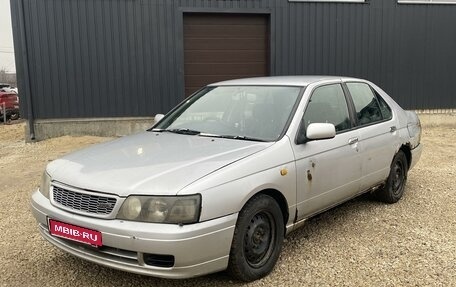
(149, 163)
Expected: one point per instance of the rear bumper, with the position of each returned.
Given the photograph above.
(198, 249)
(416, 154)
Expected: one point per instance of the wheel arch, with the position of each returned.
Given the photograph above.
(279, 198)
(405, 148)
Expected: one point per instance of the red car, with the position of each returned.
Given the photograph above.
(9, 106)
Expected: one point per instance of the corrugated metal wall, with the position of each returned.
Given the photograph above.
(109, 58)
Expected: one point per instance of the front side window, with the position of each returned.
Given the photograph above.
(366, 105)
(327, 105)
(254, 112)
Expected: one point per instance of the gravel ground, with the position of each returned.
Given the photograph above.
(361, 243)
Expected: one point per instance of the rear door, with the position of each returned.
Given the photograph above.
(377, 133)
(329, 170)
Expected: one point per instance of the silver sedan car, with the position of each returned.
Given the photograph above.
(220, 180)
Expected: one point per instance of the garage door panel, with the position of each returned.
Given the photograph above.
(227, 19)
(238, 31)
(202, 80)
(228, 56)
(191, 90)
(226, 68)
(220, 43)
(220, 47)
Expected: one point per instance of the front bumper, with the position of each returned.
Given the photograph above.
(198, 249)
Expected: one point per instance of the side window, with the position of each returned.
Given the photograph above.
(384, 108)
(366, 104)
(327, 105)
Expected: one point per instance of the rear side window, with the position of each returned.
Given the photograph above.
(384, 108)
(366, 105)
(328, 105)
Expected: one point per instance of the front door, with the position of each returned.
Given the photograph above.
(329, 171)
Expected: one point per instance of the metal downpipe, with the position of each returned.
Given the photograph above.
(25, 64)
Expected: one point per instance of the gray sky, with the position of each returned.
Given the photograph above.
(6, 38)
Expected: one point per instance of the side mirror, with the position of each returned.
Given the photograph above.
(320, 131)
(158, 117)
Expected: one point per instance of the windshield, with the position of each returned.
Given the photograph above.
(241, 112)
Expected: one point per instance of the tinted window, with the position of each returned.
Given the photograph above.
(328, 105)
(366, 104)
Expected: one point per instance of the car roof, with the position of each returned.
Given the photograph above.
(280, 81)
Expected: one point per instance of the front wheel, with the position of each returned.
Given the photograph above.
(257, 239)
(395, 184)
(14, 116)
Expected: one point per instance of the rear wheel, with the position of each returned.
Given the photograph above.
(395, 184)
(257, 240)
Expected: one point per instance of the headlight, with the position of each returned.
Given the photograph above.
(161, 209)
(45, 184)
(131, 208)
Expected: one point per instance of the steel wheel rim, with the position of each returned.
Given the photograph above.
(398, 177)
(259, 239)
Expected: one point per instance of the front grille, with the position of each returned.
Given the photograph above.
(84, 202)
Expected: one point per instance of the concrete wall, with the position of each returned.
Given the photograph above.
(429, 119)
(108, 127)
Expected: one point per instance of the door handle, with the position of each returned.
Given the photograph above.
(393, 129)
(352, 141)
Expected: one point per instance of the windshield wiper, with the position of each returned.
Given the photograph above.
(183, 131)
(245, 138)
(195, 132)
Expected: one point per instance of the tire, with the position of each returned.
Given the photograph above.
(14, 116)
(258, 238)
(395, 184)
